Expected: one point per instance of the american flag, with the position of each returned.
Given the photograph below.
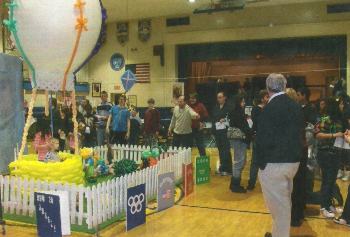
(141, 71)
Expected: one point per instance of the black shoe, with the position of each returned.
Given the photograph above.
(235, 186)
(250, 187)
(296, 223)
(268, 234)
(238, 189)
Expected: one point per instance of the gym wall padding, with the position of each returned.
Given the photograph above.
(11, 108)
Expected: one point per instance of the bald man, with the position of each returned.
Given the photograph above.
(181, 124)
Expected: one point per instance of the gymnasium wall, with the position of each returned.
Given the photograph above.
(134, 51)
(272, 22)
(1, 48)
(298, 20)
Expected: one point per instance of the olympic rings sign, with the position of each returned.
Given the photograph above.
(135, 203)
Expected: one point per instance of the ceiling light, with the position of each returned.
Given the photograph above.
(192, 1)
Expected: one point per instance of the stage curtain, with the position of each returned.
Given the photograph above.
(199, 73)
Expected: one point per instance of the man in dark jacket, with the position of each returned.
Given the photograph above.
(279, 144)
(299, 183)
(220, 123)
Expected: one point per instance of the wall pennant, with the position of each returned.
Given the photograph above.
(145, 27)
(122, 32)
(117, 61)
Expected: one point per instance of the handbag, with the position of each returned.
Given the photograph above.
(235, 133)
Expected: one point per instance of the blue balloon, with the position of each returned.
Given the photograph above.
(128, 80)
(90, 162)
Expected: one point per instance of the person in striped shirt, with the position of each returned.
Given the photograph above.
(102, 115)
(51, 155)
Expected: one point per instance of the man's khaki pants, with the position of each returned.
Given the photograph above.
(277, 185)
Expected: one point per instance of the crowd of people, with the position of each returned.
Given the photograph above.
(291, 140)
(105, 124)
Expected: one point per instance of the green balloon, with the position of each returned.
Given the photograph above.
(146, 154)
(155, 152)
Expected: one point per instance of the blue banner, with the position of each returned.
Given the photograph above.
(136, 206)
(48, 215)
(166, 191)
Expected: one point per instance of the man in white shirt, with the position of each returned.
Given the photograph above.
(181, 124)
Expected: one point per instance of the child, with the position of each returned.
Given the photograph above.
(151, 124)
(135, 125)
(89, 132)
(51, 155)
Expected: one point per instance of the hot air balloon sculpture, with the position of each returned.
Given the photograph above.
(54, 38)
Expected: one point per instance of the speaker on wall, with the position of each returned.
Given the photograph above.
(158, 50)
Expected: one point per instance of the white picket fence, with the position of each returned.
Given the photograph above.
(100, 203)
(120, 152)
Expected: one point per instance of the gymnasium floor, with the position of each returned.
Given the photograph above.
(214, 211)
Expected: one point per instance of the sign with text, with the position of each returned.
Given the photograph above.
(52, 214)
(202, 170)
(136, 206)
(187, 173)
(166, 191)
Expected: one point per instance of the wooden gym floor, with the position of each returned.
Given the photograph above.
(214, 211)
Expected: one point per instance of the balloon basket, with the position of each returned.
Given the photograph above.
(69, 170)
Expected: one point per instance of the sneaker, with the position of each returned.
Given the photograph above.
(340, 174)
(341, 221)
(346, 176)
(226, 174)
(337, 210)
(327, 213)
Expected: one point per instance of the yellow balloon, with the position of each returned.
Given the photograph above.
(70, 170)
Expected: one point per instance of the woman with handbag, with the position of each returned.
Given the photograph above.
(239, 134)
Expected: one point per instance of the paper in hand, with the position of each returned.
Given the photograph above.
(220, 126)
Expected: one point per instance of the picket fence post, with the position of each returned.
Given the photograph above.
(89, 214)
(81, 204)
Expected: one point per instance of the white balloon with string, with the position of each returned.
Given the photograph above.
(47, 32)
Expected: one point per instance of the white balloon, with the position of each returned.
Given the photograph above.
(47, 32)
